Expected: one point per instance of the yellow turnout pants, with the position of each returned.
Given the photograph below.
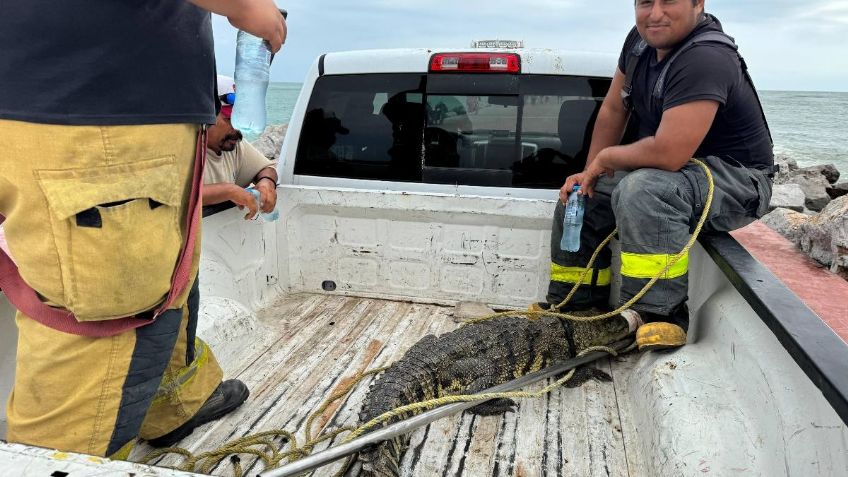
(94, 219)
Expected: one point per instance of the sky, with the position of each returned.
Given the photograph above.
(789, 45)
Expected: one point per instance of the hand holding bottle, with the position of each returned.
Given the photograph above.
(252, 74)
(244, 198)
(263, 19)
(258, 17)
(267, 194)
(265, 216)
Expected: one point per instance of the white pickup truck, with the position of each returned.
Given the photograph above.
(415, 179)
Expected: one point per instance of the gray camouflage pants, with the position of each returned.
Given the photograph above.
(655, 212)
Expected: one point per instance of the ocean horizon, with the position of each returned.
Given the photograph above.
(810, 127)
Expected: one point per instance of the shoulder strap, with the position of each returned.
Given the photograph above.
(706, 37)
(629, 68)
(710, 37)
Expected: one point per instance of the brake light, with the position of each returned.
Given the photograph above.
(475, 63)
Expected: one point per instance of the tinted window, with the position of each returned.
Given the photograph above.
(489, 130)
(363, 127)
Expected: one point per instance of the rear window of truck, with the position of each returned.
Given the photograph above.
(528, 131)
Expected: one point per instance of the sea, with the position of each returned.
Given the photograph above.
(809, 127)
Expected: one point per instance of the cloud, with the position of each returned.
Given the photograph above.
(828, 12)
(789, 44)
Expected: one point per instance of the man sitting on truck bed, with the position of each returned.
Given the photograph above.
(233, 164)
(689, 92)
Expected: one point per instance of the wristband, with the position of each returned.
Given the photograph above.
(266, 177)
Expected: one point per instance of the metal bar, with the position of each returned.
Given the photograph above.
(403, 427)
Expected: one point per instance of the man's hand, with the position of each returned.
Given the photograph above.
(586, 179)
(261, 18)
(267, 194)
(242, 199)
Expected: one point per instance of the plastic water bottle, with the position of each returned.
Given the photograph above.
(253, 69)
(572, 221)
(266, 217)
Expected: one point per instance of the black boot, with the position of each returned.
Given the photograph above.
(227, 396)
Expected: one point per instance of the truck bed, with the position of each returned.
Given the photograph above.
(306, 346)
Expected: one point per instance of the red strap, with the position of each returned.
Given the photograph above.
(24, 298)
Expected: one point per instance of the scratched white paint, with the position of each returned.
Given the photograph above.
(732, 402)
(438, 247)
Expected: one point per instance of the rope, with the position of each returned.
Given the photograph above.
(262, 444)
(274, 456)
(441, 401)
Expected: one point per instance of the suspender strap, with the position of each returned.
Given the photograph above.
(630, 68)
(25, 299)
(659, 87)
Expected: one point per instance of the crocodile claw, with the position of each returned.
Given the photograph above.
(494, 407)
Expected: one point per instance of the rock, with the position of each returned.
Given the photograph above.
(270, 141)
(786, 222)
(787, 165)
(814, 186)
(787, 196)
(838, 190)
(468, 310)
(829, 171)
(825, 236)
(788, 172)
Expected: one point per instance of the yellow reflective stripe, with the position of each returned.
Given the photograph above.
(170, 384)
(645, 265)
(572, 274)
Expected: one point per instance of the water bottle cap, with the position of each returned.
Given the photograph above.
(575, 188)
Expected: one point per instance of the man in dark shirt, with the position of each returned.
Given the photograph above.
(686, 100)
(102, 102)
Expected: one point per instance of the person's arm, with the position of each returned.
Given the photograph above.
(681, 131)
(608, 131)
(254, 168)
(266, 183)
(225, 191)
(612, 119)
(258, 17)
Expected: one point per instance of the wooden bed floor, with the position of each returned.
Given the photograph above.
(306, 346)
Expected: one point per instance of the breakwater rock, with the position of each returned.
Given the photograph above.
(810, 208)
(270, 141)
(818, 184)
(823, 236)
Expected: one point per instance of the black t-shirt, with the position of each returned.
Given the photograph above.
(704, 71)
(106, 62)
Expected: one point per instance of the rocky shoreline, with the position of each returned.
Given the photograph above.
(809, 206)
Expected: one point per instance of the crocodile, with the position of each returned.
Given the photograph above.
(471, 359)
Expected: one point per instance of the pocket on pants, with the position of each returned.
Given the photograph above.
(764, 190)
(117, 234)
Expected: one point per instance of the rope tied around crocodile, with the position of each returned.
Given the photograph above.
(263, 445)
